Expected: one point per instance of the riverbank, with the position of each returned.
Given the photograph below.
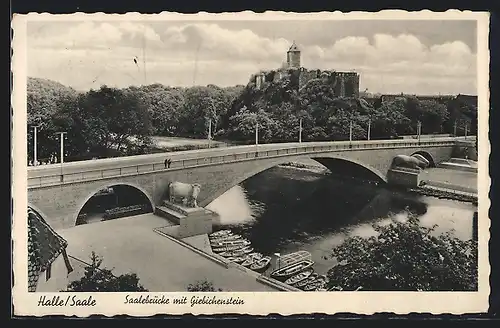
(316, 168)
(449, 194)
(440, 183)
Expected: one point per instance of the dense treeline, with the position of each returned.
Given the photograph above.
(110, 121)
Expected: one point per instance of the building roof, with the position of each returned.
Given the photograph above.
(293, 47)
(44, 246)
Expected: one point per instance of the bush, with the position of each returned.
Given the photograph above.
(406, 257)
(202, 286)
(96, 279)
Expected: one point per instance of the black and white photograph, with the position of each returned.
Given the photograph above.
(230, 153)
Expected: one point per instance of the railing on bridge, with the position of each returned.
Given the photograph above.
(49, 175)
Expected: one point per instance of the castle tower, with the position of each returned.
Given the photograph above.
(293, 56)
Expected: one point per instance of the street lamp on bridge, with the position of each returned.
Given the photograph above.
(419, 130)
(35, 160)
(62, 135)
(209, 132)
(350, 131)
(300, 130)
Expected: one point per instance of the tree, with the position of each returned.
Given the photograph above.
(45, 100)
(202, 286)
(105, 122)
(96, 279)
(406, 257)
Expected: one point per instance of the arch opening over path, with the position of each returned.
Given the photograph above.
(427, 156)
(130, 199)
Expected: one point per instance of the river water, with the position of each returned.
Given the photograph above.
(283, 210)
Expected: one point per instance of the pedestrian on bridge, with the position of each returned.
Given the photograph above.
(168, 161)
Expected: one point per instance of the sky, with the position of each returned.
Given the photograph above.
(391, 56)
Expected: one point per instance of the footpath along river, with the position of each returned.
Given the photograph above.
(283, 210)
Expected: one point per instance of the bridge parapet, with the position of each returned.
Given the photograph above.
(50, 175)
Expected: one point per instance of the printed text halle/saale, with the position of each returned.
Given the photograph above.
(70, 300)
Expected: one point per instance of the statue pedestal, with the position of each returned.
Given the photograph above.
(191, 221)
(404, 177)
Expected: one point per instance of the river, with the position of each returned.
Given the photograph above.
(283, 210)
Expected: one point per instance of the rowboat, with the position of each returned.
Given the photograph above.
(225, 238)
(240, 242)
(246, 250)
(308, 280)
(292, 258)
(291, 270)
(238, 252)
(261, 264)
(315, 285)
(335, 288)
(299, 277)
(256, 255)
(220, 233)
(318, 283)
(236, 259)
(251, 258)
(321, 290)
(226, 248)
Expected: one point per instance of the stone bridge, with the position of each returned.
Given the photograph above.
(58, 192)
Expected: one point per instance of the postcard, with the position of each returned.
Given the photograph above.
(250, 163)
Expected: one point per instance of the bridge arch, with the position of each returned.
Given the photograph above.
(428, 156)
(109, 185)
(373, 173)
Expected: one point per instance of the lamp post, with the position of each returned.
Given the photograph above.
(350, 131)
(369, 127)
(300, 130)
(465, 136)
(419, 130)
(256, 133)
(455, 128)
(209, 132)
(35, 160)
(61, 160)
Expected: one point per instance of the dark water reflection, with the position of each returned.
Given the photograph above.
(285, 210)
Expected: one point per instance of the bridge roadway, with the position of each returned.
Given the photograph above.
(54, 174)
(44, 175)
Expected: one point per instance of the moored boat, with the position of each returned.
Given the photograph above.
(318, 283)
(237, 259)
(240, 242)
(292, 258)
(226, 248)
(246, 250)
(306, 281)
(220, 233)
(238, 252)
(225, 238)
(299, 277)
(315, 285)
(290, 270)
(261, 264)
(251, 258)
(256, 255)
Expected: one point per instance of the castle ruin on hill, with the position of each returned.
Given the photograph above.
(345, 84)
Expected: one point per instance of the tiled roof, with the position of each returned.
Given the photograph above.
(44, 246)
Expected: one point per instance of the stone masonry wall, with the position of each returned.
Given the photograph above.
(60, 205)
